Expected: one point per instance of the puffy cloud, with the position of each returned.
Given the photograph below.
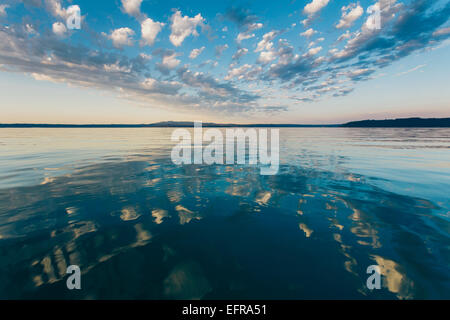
(248, 33)
(265, 43)
(150, 30)
(315, 6)
(344, 36)
(313, 51)
(350, 14)
(169, 61)
(239, 53)
(132, 7)
(238, 72)
(196, 52)
(47, 58)
(308, 33)
(122, 37)
(59, 29)
(183, 27)
(312, 8)
(55, 8)
(267, 56)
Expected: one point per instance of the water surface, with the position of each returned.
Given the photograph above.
(112, 202)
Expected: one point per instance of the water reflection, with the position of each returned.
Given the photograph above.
(147, 229)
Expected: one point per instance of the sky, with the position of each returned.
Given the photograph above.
(285, 61)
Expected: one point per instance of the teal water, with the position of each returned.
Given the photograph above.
(112, 202)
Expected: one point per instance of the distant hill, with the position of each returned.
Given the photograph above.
(165, 124)
(401, 123)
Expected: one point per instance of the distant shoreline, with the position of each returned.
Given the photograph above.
(389, 123)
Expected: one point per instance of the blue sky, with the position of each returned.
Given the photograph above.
(141, 61)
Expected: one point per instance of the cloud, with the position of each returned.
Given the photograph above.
(241, 16)
(122, 37)
(165, 87)
(247, 34)
(132, 7)
(344, 36)
(36, 48)
(315, 6)
(312, 8)
(308, 33)
(59, 29)
(359, 74)
(220, 49)
(169, 60)
(350, 14)
(313, 51)
(239, 53)
(411, 70)
(150, 30)
(238, 72)
(246, 22)
(3, 8)
(196, 52)
(265, 43)
(48, 59)
(183, 27)
(441, 32)
(55, 8)
(213, 90)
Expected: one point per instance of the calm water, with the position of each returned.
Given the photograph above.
(112, 202)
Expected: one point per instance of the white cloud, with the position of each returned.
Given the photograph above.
(59, 29)
(122, 37)
(145, 56)
(247, 34)
(265, 43)
(3, 10)
(239, 53)
(411, 70)
(168, 87)
(55, 8)
(183, 27)
(267, 56)
(315, 6)
(150, 30)
(441, 32)
(238, 72)
(346, 35)
(132, 7)
(313, 51)
(312, 8)
(308, 33)
(196, 52)
(116, 68)
(170, 61)
(350, 14)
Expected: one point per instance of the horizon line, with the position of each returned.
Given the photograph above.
(410, 122)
